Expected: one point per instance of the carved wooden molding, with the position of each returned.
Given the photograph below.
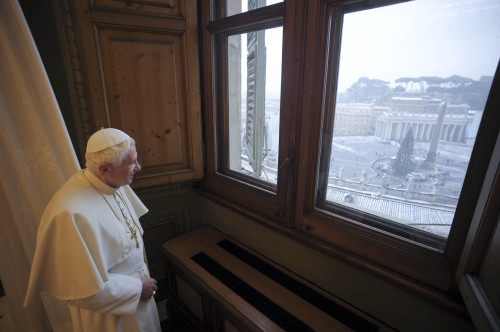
(74, 69)
(167, 4)
(145, 7)
(178, 215)
(161, 191)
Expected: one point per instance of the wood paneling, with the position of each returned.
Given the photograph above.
(140, 74)
(146, 94)
(191, 299)
(157, 7)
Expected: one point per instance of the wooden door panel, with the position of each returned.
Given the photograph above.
(146, 92)
(140, 73)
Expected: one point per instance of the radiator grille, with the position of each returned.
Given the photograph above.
(267, 307)
(323, 303)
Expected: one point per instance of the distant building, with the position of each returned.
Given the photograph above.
(421, 115)
(354, 119)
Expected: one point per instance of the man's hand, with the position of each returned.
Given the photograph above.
(149, 288)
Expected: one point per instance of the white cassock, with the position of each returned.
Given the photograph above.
(86, 255)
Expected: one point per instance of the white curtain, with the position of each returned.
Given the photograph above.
(36, 157)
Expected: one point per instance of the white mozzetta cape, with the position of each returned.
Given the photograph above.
(84, 252)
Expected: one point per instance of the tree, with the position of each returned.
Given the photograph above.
(367, 90)
(458, 89)
(403, 164)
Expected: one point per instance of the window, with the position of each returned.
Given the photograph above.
(377, 146)
(424, 85)
(424, 115)
(251, 162)
(254, 84)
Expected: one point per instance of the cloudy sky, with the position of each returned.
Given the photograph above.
(421, 38)
(411, 39)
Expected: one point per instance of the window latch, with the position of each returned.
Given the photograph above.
(289, 159)
(285, 162)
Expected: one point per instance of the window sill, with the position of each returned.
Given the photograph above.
(450, 301)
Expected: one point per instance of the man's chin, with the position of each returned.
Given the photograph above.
(126, 182)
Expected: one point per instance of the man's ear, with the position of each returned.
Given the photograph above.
(103, 169)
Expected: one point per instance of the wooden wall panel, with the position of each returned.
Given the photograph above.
(146, 92)
(138, 71)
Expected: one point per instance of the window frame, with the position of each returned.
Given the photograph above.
(229, 187)
(479, 247)
(336, 10)
(374, 248)
(222, 117)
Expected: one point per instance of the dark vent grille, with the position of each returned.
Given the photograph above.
(270, 309)
(323, 303)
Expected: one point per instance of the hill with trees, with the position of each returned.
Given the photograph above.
(454, 89)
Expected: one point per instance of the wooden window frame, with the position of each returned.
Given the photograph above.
(232, 188)
(479, 242)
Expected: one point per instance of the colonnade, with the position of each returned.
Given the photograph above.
(396, 128)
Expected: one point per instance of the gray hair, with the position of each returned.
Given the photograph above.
(113, 155)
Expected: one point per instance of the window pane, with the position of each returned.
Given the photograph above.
(254, 86)
(240, 6)
(412, 86)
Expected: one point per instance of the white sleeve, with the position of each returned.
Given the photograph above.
(120, 296)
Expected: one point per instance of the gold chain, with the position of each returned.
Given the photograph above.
(133, 231)
(127, 220)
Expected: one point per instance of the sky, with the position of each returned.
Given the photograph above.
(416, 38)
(421, 38)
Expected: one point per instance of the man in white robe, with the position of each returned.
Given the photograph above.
(90, 252)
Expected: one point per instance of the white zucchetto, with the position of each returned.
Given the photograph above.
(105, 138)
